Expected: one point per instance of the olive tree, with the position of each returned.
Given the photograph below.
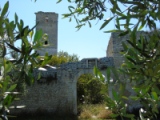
(16, 63)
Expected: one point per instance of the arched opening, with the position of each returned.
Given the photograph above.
(91, 93)
(90, 90)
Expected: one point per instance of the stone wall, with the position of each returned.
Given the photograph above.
(56, 91)
(115, 46)
(113, 50)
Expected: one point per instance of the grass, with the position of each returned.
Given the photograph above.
(91, 111)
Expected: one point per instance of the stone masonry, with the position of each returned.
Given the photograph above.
(48, 23)
(115, 46)
(56, 90)
(113, 50)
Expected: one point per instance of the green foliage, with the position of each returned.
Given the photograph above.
(62, 57)
(90, 90)
(116, 103)
(20, 60)
(146, 12)
(141, 68)
(141, 65)
(91, 9)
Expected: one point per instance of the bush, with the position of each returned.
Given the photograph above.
(61, 58)
(90, 90)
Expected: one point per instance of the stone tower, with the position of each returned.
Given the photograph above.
(48, 22)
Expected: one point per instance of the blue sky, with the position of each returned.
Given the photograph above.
(86, 43)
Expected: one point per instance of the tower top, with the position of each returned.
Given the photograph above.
(41, 12)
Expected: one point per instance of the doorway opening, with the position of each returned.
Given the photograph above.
(91, 94)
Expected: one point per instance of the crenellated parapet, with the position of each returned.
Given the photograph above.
(89, 63)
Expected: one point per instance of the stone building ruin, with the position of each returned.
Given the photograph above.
(56, 91)
(113, 50)
(115, 46)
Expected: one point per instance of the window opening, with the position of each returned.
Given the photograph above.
(46, 43)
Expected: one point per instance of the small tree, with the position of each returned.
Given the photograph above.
(62, 57)
(90, 90)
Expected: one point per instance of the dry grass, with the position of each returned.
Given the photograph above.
(97, 111)
(85, 114)
(104, 114)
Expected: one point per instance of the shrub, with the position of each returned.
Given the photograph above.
(90, 90)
